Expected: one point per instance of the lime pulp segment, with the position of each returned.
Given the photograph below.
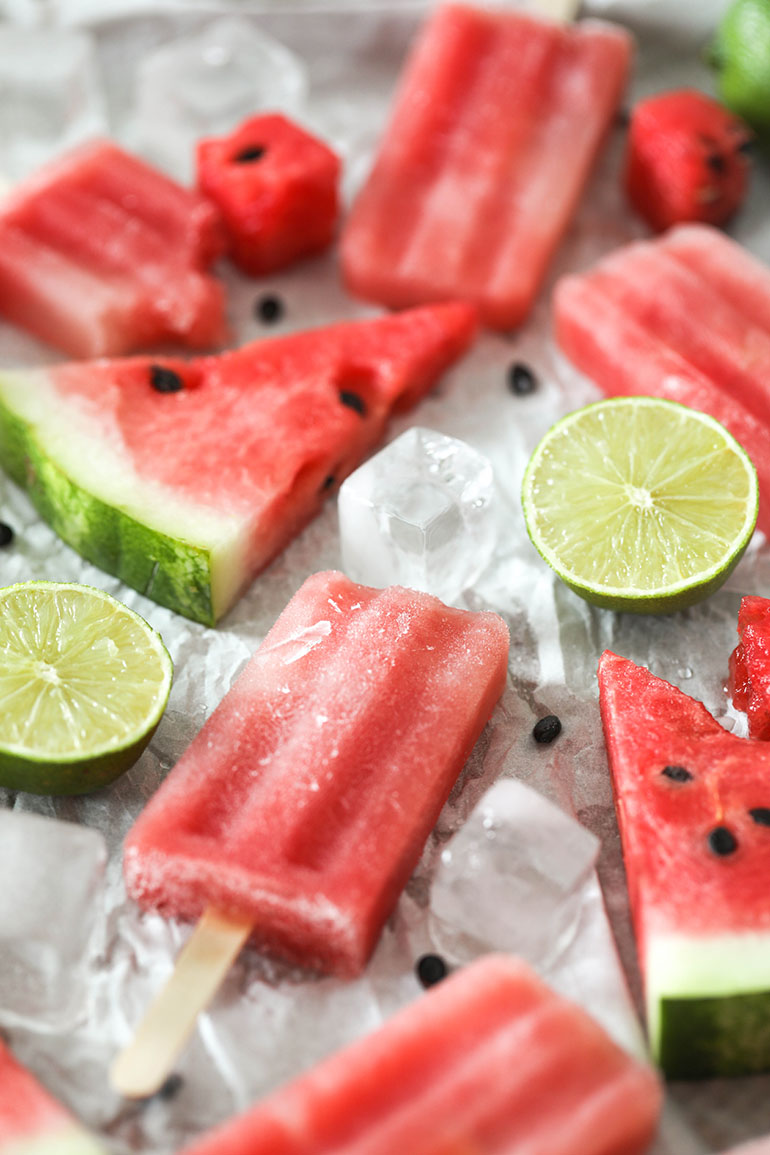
(81, 675)
(640, 503)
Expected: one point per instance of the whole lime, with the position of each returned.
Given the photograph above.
(740, 54)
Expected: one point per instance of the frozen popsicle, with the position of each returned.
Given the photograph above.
(497, 121)
(101, 254)
(31, 1121)
(302, 807)
(687, 317)
(489, 1062)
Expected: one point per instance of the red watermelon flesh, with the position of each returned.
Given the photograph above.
(607, 343)
(489, 1062)
(686, 159)
(222, 471)
(693, 807)
(100, 254)
(276, 187)
(496, 124)
(750, 665)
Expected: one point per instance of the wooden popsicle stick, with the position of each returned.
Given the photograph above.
(564, 10)
(142, 1068)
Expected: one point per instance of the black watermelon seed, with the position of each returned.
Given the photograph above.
(172, 1086)
(546, 729)
(165, 380)
(722, 841)
(431, 969)
(269, 309)
(677, 773)
(328, 482)
(521, 379)
(353, 401)
(6, 534)
(716, 162)
(761, 815)
(250, 153)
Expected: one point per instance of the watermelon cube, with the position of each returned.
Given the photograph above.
(185, 478)
(693, 806)
(276, 188)
(101, 254)
(687, 159)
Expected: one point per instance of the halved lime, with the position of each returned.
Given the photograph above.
(83, 684)
(640, 504)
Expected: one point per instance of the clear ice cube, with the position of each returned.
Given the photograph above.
(420, 513)
(51, 920)
(206, 84)
(513, 878)
(50, 95)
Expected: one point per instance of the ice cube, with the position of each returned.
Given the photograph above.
(420, 513)
(51, 904)
(50, 95)
(513, 878)
(206, 84)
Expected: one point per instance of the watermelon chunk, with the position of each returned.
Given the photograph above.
(693, 806)
(100, 254)
(276, 188)
(489, 1062)
(687, 159)
(186, 478)
(750, 665)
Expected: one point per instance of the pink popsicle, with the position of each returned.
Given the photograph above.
(490, 1062)
(101, 254)
(686, 317)
(31, 1121)
(497, 121)
(304, 803)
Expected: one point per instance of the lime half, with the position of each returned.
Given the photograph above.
(84, 682)
(640, 504)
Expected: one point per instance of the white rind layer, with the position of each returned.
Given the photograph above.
(680, 966)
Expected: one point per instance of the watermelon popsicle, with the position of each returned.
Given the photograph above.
(490, 1062)
(101, 254)
(497, 121)
(634, 323)
(31, 1121)
(303, 805)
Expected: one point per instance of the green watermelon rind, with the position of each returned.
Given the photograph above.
(173, 572)
(708, 1004)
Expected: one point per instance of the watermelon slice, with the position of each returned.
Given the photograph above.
(276, 188)
(750, 665)
(693, 806)
(186, 478)
(100, 254)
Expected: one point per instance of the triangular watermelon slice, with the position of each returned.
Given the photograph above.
(186, 478)
(693, 806)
